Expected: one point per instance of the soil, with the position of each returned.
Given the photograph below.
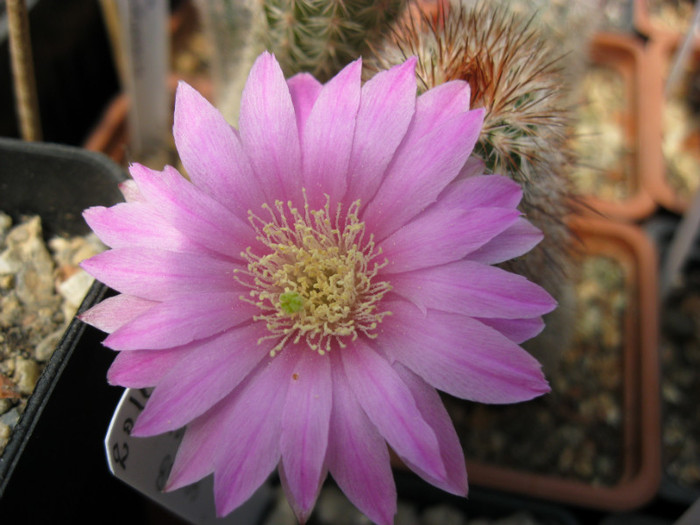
(680, 361)
(605, 165)
(41, 288)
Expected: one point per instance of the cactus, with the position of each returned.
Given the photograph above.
(515, 75)
(322, 36)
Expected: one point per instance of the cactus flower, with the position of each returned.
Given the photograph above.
(300, 297)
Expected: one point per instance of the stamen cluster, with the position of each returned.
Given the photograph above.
(317, 281)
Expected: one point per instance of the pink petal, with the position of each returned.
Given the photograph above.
(114, 312)
(201, 445)
(305, 421)
(327, 137)
(193, 212)
(194, 385)
(389, 404)
(358, 458)
(517, 330)
(304, 89)
(482, 191)
(435, 414)
(473, 289)
(443, 236)
(136, 224)
(181, 320)
(517, 240)
(144, 368)
(386, 108)
(423, 165)
(252, 437)
(301, 514)
(440, 104)
(212, 153)
(268, 130)
(158, 275)
(461, 356)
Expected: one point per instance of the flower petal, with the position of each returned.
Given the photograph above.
(517, 240)
(473, 289)
(193, 212)
(144, 368)
(388, 403)
(212, 154)
(252, 438)
(482, 191)
(194, 385)
(517, 330)
(423, 165)
(328, 134)
(131, 191)
(182, 320)
(114, 312)
(461, 356)
(387, 106)
(305, 421)
(137, 224)
(443, 236)
(268, 130)
(435, 414)
(358, 458)
(159, 275)
(304, 89)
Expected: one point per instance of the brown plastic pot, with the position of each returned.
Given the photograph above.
(625, 55)
(661, 51)
(640, 471)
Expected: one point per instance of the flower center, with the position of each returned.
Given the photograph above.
(317, 282)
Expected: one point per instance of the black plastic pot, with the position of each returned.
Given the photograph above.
(53, 470)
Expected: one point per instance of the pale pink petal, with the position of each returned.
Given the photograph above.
(305, 420)
(388, 403)
(517, 240)
(434, 413)
(358, 458)
(137, 224)
(461, 356)
(304, 90)
(252, 438)
(443, 236)
(212, 154)
(327, 137)
(181, 320)
(423, 165)
(473, 289)
(268, 130)
(114, 312)
(386, 108)
(517, 330)
(193, 212)
(194, 385)
(145, 368)
(131, 191)
(158, 275)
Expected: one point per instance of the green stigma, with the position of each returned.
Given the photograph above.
(291, 302)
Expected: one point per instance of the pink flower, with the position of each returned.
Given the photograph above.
(325, 269)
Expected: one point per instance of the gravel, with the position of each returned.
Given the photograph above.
(41, 288)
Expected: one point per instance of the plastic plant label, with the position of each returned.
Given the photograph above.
(145, 463)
